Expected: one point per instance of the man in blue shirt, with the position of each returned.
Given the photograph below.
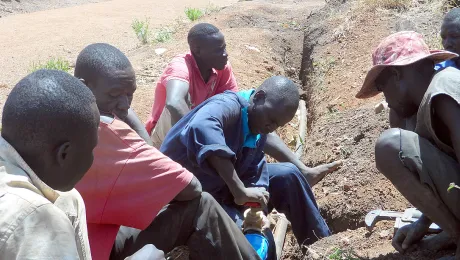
(450, 34)
(222, 143)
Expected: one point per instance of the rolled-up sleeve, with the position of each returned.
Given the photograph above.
(204, 134)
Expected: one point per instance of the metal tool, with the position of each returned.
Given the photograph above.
(399, 223)
(409, 216)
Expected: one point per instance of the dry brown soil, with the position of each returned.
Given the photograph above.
(10, 7)
(346, 128)
(38, 36)
(339, 42)
(343, 36)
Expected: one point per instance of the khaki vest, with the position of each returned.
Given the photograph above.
(446, 82)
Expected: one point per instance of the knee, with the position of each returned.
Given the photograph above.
(207, 197)
(286, 173)
(286, 177)
(387, 150)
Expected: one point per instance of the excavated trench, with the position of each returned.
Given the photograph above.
(315, 36)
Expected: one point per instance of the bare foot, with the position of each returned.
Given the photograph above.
(437, 242)
(316, 174)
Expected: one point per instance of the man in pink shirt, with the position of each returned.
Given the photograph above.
(134, 194)
(190, 79)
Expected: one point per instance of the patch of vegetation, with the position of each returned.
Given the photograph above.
(434, 42)
(52, 64)
(389, 4)
(163, 35)
(212, 8)
(449, 4)
(193, 14)
(341, 254)
(321, 69)
(452, 186)
(141, 28)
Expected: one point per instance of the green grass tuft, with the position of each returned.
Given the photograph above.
(163, 35)
(52, 64)
(341, 254)
(141, 28)
(193, 13)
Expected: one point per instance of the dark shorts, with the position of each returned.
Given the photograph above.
(435, 168)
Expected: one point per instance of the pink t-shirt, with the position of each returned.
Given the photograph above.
(128, 184)
(184, 68)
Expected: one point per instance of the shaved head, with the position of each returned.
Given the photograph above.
(42, 107)
(450, 31)
(281, 91)
(208, 47)
(51, 120)
(99, 60)
(200, 32)
(109, 74)
(273, 105)
(453, 15)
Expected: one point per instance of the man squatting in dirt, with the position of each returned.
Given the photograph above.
(192, 78)
(420, 162)
(134, 194)
(222, 142)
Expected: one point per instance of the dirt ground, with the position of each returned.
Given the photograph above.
(343, 36)
(62, 33)
(263, 38)
(274, 37)
(346, 128)
(10, 7)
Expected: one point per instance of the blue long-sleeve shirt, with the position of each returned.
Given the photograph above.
(215, 128)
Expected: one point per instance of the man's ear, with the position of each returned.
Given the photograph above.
(87, 83)
(62, 153)
(195, 49)
(259, 97)
(82, 80)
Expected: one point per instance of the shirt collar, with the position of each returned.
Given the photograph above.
(250, 139)
(445, 64)
(10, 156)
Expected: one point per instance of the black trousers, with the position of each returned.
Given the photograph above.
(201, 224)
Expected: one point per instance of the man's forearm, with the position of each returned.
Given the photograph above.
(425, 220)
(276, 148)
(226, 171)
(191, 191)
(135, 123)
(177, 111)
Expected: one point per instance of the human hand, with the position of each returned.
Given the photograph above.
(407, 237)
(256, 194)
(148, 252)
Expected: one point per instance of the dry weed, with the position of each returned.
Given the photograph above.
(449, 4)
(388, 4)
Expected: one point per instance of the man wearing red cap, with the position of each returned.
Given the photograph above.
(420, 161)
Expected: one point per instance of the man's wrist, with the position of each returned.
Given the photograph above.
(237, 191)
(424, 221)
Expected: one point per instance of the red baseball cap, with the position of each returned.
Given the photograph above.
(399, 49)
